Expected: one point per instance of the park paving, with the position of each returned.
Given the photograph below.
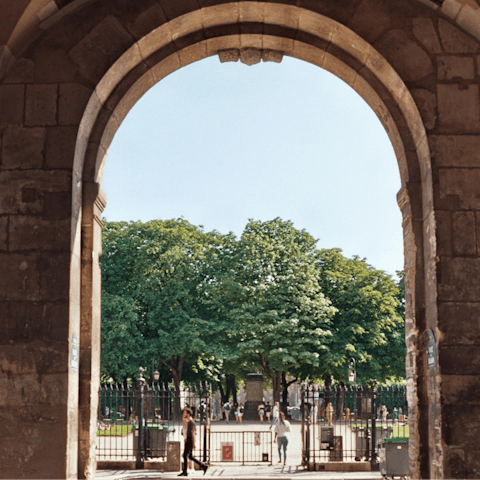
(238, 471)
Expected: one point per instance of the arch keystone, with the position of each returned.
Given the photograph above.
(250, 56)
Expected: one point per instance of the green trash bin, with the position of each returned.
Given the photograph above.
(156, 442)
(393, 457)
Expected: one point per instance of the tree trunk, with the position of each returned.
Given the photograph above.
(284, 403)
(285, 386)
(276, 382)
(177, 378)
(340, 401)
(222, 392)
(228, 387)
(328, 392)
(231, 387)
(176, 367)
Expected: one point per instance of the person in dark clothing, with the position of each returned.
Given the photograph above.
(188, 433)
(202, 409)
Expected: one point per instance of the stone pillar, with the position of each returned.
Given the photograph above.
(174, 457)
(39, 309)
(94, 202)
(417, 383)
(457, 336)
(254, 395)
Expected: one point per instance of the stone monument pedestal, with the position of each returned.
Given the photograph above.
(254, 388)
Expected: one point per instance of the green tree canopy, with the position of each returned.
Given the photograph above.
(268, 302)
(368, 325)
(154, 268)
(205, 304)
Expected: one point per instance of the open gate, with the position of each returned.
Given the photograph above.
(144, 422)
(342, 424)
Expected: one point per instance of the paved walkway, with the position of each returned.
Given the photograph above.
(257, 472)
(292, 470)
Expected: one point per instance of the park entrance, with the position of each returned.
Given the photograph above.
(338, 428)
(140, 426)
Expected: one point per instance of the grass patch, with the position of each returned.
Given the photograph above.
(403, 431)
(116, 431)
(363, 425)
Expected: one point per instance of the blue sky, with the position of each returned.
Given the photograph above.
(221, 143)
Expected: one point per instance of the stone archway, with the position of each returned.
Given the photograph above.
(77, 72)
(343, 53)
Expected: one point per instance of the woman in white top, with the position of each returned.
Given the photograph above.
(275, 412)
(282, 429)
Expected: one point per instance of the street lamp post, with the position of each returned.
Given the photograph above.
(352, 377)
(155, 373)
(374, 427)
(140, 444)
(154, 377)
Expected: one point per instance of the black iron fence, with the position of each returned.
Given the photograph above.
(137, 423)
(342, 424)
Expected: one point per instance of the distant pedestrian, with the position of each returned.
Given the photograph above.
(329, 412)
(282, 429)
(275, 414)
(235, 411)
(241, 411)
(188, 433)
(202, 410)
(268, 411)
(227, 407)
(384, 413)
(261, 411)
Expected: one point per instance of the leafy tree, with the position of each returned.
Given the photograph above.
(206, 304)
(154, 267)
(368, 325)
(267, 300)
(122, 339)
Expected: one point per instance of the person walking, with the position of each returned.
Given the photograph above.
(235, 411)
(282, 429)
(227, 407)
(275, 414)
(188, 433)
(330, 411)
(261, 411)
(268, 411)
(202, 409)
(241, 410)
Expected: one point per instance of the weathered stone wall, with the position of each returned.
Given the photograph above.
(67, 83)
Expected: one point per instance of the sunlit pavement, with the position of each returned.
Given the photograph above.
(237, 472)
(226, 471)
